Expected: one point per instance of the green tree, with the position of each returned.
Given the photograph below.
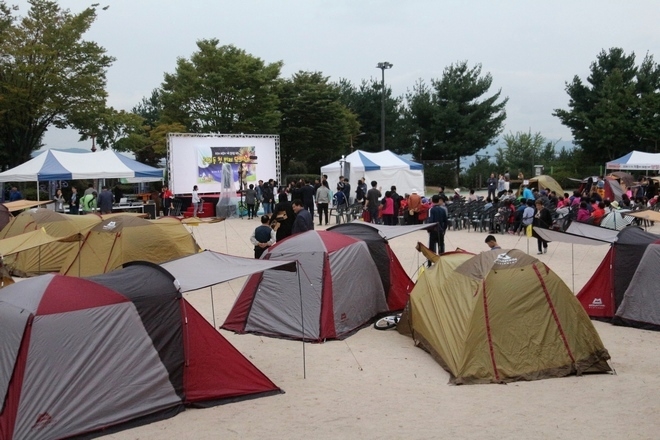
(365, 101)
(617, 110)
(521, 151)
(316, 127)
(463, 120)
(49, 76)
(222, 89)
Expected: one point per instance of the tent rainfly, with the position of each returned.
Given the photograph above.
(384, 167)
(90, 356)
(501, 316)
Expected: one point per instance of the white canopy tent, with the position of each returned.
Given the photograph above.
(384, 167)
(635, 160)
(60, 165)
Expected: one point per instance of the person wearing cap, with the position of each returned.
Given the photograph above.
(492, 242)
(457, 195)
(414, 205)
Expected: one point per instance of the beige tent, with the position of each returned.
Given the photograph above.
(501, 316)
(546, 182)
(122, 239)
(49, 256)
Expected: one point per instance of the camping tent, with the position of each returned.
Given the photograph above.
(80, 355)
(60, 165)
(384, 167)
(121, 239)
(50, 256)
(640, 306)
(501, 316)
(344, 283)
(602, 294)
(546, 182)
(635, 160)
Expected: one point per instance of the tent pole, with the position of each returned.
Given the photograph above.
(573, 268)
(302, 321)
(212, 307)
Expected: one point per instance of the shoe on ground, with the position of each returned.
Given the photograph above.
(539, 253)
(545, 250)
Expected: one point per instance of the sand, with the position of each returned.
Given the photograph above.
(377, 384)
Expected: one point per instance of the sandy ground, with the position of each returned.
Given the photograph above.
(377, 384)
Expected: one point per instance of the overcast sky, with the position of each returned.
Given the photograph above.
(531, 48)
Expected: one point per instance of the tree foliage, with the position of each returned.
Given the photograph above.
(316, 126)
(521, 151)
(453, 118)
(365, 101)
(49, 76)
(618, 109)
(222, 89)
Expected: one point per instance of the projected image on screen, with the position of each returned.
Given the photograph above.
(232, 167)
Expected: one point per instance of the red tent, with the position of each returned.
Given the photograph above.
(346, 279)
(123, 348)
(603, 293)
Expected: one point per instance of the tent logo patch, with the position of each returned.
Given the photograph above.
(110, 226)
(597, 303)
(504, 259)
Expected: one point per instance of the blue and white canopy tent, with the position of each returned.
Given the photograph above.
(59, 165)
(384, 167)
(635, 160)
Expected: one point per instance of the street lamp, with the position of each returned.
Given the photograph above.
(353, 137)
(382, 66)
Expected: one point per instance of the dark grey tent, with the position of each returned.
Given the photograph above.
(641, 302)
(78, 355)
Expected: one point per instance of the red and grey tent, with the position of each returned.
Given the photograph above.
(82, 355)
(601, 296)
(343, 282)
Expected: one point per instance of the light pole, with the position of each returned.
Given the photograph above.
(382, 66)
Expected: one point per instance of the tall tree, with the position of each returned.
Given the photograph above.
(316, 126)
(49, 76)
(222, 89)
(521, 151)
(617, 109)
(463, 120)
(365, 101)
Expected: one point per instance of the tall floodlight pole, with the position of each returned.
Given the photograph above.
(382, 66)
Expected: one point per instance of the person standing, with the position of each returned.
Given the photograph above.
(59, 201)
(119, 194)
(74, 202)
(196, 201)
(262, 237)
(166, 197)
(268, 198)
(303, 221)
(105, 201)
(396, 198)
(491, 183)
(323, 201)
(251, 201)
(437, 214)
(543, 220)
(388, 209)
(307, 192)
(283, 216)
(373, 197)
(15, 194)
(88, 203)
(414, 205)
(347, 190)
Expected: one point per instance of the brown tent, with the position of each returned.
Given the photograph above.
(50, 256)
(122, 239)
(501, 316)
